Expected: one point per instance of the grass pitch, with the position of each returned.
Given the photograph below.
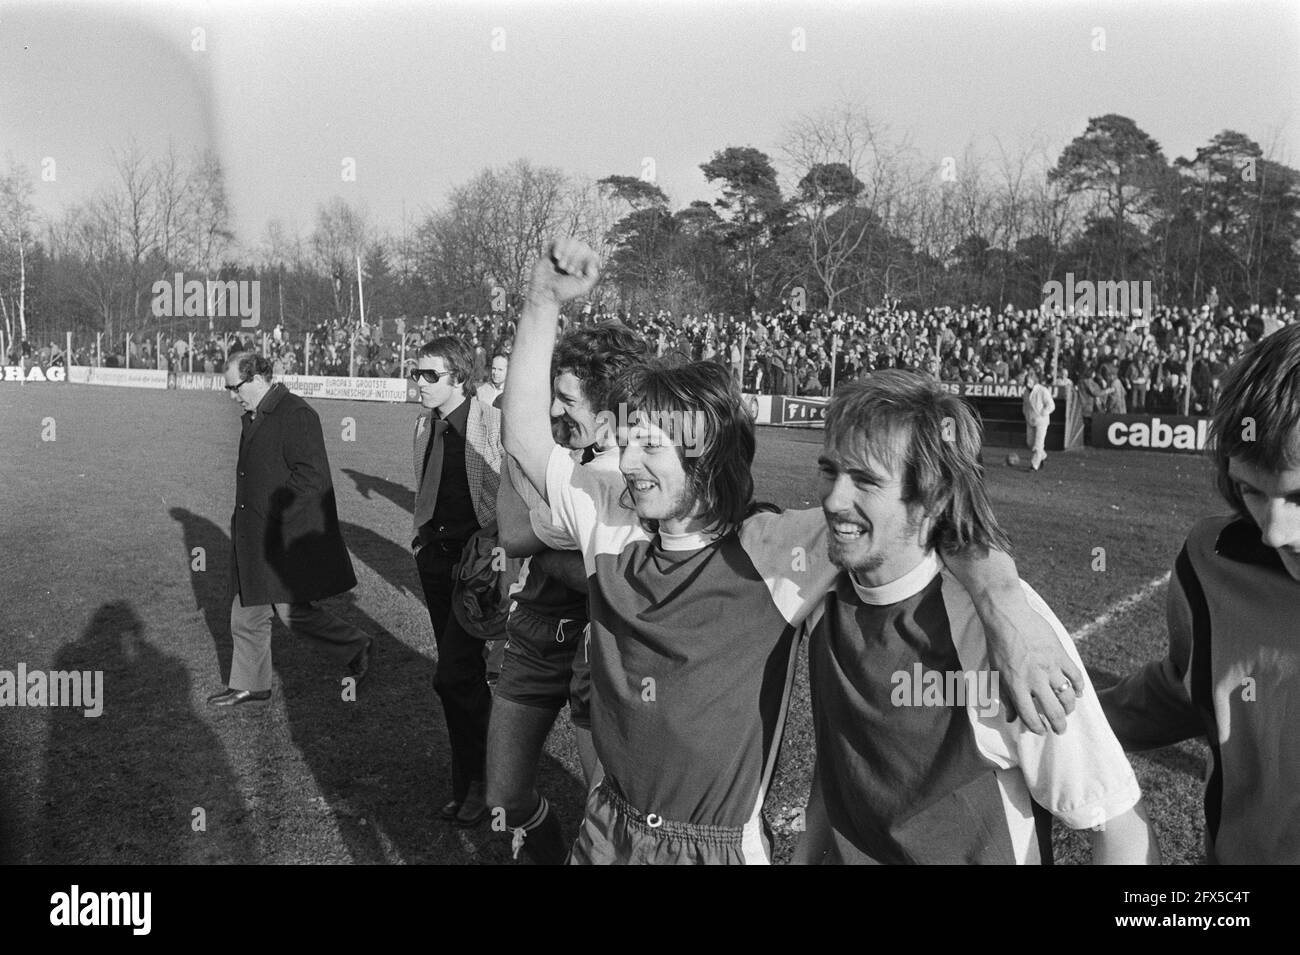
(114, 540)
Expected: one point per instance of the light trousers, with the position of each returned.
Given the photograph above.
(250, 631)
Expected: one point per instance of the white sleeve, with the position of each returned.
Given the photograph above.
(789, 551)
(1081, 776)
(582, 499)
(556, 538)
(523, 487)
(539, 512)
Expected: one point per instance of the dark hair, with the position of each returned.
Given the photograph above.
(597, 355)
(1257, 417)
(456, 354)
(699, 407)
(931, 439)
(252, 365)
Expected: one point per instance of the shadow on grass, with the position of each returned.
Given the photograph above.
(397, 566)
(390, 561)
(9, 823)
(211, 585)
(380, 761)
(123, 787)
(368, 484)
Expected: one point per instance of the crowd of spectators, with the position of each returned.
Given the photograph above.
(1119, 363)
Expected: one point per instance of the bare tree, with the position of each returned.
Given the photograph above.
(851, 179)
(207, 216)
(16, 221)
(1052, 214)
(491, 228)
(342, 235)
(589, 213)
(90, 236)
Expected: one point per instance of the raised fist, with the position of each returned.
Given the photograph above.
(567, 269)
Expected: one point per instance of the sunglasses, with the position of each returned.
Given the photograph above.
(428, 374)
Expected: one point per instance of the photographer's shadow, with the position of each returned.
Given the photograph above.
(146, 781)
(377, 750)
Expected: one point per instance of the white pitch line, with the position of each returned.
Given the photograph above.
(1124, 606)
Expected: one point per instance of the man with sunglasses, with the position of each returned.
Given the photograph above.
(457, 474)
(287, 550)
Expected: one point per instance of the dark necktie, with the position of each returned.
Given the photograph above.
(427, 499)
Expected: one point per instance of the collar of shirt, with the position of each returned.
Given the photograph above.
(1241, 541)
(690, 541)
(910, 584)
(269, 400)
(458, 419)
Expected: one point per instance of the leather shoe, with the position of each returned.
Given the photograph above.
(449, 809)
(360, 665)
(474, 809)
(235, 697)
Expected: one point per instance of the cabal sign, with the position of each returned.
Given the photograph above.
(53, 373)
(1155, 433)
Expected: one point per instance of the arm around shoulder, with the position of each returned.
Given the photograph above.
(1023, 646)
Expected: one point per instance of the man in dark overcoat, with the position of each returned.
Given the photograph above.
(287, 549)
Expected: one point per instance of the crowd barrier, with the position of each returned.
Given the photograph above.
(118, 377)
(1150, 432)
(307, 386)
(21, 375)
(1000, 408)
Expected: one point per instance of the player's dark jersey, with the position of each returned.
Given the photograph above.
(1231, 677)
(692, 647)
(915, 762)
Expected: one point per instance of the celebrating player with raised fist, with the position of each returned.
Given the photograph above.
(697, 595)
(567, 270)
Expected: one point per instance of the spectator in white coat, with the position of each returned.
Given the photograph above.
(1038, 407)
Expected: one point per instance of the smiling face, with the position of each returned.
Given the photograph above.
(872, 531)
(656, 477)
(1272, 498)
(574, 423)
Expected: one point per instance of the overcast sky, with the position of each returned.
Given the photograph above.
(418, 97)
